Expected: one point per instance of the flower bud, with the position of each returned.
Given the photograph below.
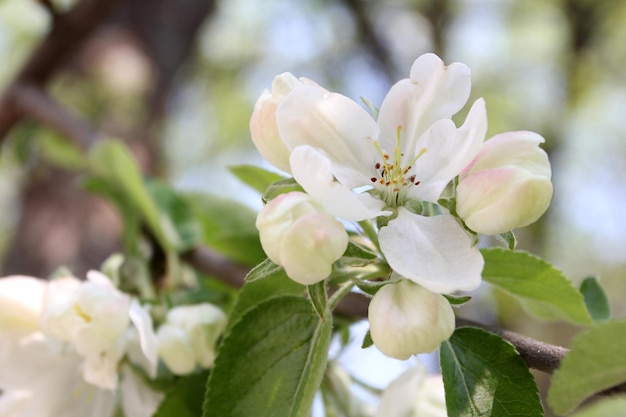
(299, 235)
(406, 319)
(507, 185)
(187, 338)
(263, 128)
(413, 394)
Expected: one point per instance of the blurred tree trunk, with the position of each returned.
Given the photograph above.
(59, 223)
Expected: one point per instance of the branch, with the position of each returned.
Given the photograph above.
(68, 33)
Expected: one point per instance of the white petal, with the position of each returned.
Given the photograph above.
(21, 298)
(434, 252)
(448, 151)
(313, 172)
(433, 92)
(147, 338)
(342, 129)
(138, 399)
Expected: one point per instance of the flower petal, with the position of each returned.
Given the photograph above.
(433, 92)
(313, 172)
(147, 338)
(433, 252)
(21, 298)
(333, 123)
(138, 399)
(448, 151)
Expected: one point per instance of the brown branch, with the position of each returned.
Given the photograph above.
(68, 33)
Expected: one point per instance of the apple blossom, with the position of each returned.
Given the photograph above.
(357, 168)
(406, 319)
(263, 129)
(94, 317)
(299, 235)
(507, 185)
(413, 394)
(187, 338)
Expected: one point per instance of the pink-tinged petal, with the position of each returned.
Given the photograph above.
(311, 246)
(497, 200)
(313, 172)
(434, 252)
(333, 123)
(21, 302)
(433, 92)
(264, 132)
(147, 338)
(448, 151)
(516, 149)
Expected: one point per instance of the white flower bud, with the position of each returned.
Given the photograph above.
(406, 319)
(299, 235)
(507, 185)
(263, 127)
(187, 338)
(413, 394)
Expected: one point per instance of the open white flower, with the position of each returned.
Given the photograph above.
(414, 394)
(187, 338)
(94, 317)
(357, 168)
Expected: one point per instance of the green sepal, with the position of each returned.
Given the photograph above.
(282, 186)
(457, 300)
(319, 298)
(367, 340)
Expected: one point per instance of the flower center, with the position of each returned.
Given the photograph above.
(394, 176)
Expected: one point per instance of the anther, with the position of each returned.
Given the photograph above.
(373, 179)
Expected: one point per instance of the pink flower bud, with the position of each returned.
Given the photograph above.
(507, 185)
(299, 235)
(406, 319)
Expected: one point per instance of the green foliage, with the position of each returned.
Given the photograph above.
(358, 255)
(319, 298)
(255, 177)
(484, 376)
(457, 300)
(509, 239)
(262, 283)
(595, 362)
(271, 363)
(542, 288)
(283, 186)
(185, 398)
(607, 407)
(228, 227)
(595, 299)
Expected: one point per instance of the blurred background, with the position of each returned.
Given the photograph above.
(177, 79)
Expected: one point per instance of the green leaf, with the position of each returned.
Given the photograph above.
(228, 227)
(283, 186)
(358, 255)
(255, 177)
(542, 288)
(372, 287)
(484, 376)
(58, 150)
(509, 239)
(606, 407)
(271, 363)
(275, 283)
(595, 362)
(596, 300)
(177, 220)
(185, 398)
(457, 300)
(319, 298)
(367, 340)
(112, 163)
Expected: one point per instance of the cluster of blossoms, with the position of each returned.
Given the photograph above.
(429, 185)
(83, 348)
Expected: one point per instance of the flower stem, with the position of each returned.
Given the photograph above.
(370, 232)
(341, 292)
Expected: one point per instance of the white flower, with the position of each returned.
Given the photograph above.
(299, 235)
(94, 317)
(338, 151)
(187, 338)
(406, 319)
(507, 185)
(263, 127)
(413, 394)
